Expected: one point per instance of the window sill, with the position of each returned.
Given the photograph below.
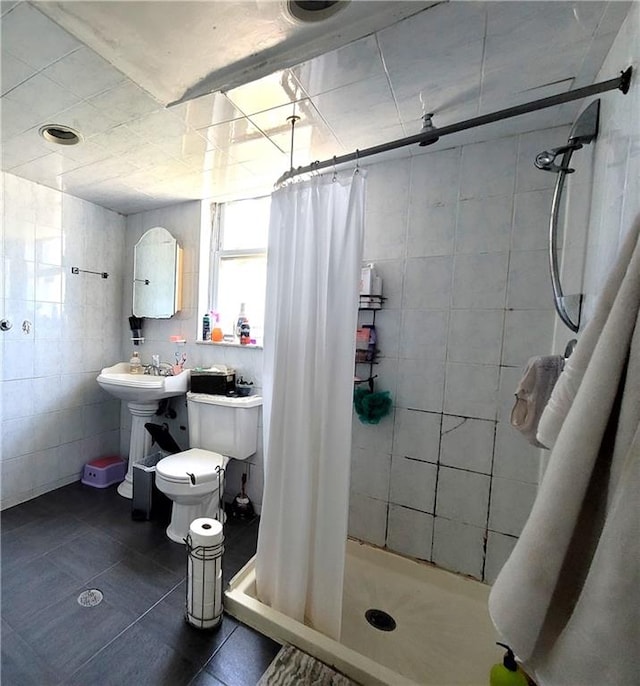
(226, 344)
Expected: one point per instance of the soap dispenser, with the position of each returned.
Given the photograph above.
(507, 673)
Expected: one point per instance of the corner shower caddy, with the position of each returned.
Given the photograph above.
(373, 304)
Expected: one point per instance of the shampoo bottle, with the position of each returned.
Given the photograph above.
(507, 673)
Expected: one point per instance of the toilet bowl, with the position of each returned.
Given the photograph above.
(220, 428)
(194, 481)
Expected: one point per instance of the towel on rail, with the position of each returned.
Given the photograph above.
(568, 599)
(532, 394)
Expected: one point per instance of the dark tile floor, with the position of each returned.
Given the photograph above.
(78, 537)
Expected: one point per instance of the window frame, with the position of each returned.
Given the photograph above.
(218, 254)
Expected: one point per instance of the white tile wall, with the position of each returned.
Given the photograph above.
(480, 280)
(432, 231)
(475, 336)
(511, 503)
(65, 329)
(514, 458)
(463, 496)
(458, 546)
(420, 385)
(488, 169)
(527, 333)
(529, 286)
(410, 532)
(386, 210)
(413, 483)
(427, 283)
(467, 443)
(472, 289)
(370, 473)
(417, 435)
(484, 225)
(531, 220)
(499, 548)
(368, 519)
(423, 334)
(373, 437)
(471, 390)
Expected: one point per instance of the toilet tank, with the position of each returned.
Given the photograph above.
(228, 426)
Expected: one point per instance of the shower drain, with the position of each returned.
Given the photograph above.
(90, 598)
(381, 620)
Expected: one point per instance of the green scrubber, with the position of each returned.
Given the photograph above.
(371, 407)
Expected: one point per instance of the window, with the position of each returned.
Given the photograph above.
(239, 261)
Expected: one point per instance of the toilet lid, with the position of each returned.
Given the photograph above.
(201, 463)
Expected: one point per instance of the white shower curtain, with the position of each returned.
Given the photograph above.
(313, 273)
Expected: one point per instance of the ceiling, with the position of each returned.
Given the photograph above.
(111, 70)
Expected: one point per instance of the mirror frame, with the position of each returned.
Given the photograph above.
(159, 273)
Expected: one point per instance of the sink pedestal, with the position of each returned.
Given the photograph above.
(140, 443)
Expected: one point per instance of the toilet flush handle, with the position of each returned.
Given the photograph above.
(192, 477)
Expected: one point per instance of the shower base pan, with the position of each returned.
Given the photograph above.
(442, 635)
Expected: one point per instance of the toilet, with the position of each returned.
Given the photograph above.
(220, 428)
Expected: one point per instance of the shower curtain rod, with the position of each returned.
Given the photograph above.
(433, 134)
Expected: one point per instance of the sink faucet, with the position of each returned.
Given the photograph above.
(157, 368)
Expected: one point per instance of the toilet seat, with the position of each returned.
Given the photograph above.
(194, 466)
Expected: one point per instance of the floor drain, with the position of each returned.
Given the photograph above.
(379, 619)
(90, 598)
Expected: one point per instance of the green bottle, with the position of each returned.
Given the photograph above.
(508, 673)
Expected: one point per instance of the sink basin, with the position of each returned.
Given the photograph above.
(141, 388)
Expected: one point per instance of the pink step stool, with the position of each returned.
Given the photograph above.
(104, 471)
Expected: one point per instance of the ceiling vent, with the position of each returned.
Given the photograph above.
(310, 11)
(61, 135)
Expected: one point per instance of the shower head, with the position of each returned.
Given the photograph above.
(427, 126)
(546, 160)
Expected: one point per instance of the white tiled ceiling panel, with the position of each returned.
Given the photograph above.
(381, 73)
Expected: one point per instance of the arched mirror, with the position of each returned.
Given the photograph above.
(157, 275)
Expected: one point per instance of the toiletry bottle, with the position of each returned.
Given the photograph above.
(135, 366)
(216, 332)
(206, 327)
(373, 340)
(242, 317)
(508, 673)
(245, 332)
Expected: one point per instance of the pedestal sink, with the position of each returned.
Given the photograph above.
(142, 393)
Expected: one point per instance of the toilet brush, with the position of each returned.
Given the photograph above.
(242, 507)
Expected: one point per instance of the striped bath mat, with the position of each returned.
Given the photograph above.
(292, 667)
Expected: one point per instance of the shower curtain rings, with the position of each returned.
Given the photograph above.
(335, 173)
(357, 171)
